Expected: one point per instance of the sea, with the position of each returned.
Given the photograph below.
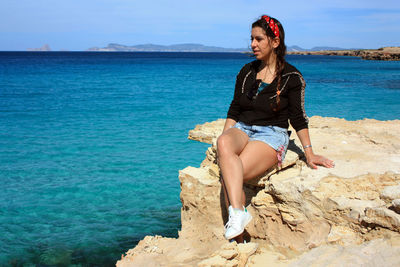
(91, 143)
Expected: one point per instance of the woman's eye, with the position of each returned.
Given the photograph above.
(258, 39)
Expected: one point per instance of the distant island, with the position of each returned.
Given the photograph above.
(384, 53)
(165, 48)
(191, 47)
(44, 48)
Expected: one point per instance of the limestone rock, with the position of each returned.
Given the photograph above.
(298, 213)
(231, 255)
(216, 261)
(207, 132)
(391, 192)
(379, 252)
(228, 254)
(383, 217)
(396, 205)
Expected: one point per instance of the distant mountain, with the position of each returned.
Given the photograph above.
(45, 47)
(295, 48)
(189, 47)
(166, 48)
(322, 48)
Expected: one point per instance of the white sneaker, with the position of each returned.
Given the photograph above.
(238, 219)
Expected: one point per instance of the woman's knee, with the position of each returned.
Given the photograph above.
(223, 144)
(231, 142)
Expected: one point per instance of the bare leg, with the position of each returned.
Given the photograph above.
(252, 167)
(257, 157)
(241, 160)
(254, 159)
(229, 146)
(226, 199)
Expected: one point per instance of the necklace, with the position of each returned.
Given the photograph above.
(267, 69)
(270, 71)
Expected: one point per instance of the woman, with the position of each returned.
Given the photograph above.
(269, 92)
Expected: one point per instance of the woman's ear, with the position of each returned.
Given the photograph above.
(275, 42)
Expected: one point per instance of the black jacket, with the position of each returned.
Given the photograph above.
(258, 111)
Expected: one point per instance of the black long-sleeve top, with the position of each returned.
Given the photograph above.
(258, 111)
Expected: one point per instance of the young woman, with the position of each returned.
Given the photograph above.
(269, 93)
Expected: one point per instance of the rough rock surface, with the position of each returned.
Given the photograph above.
(345, 216)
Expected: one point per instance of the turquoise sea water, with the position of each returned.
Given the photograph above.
(91, 143)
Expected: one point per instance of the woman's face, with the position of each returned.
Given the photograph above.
(261, 44)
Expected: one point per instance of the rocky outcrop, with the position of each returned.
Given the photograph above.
(348, 215)
(385, 53)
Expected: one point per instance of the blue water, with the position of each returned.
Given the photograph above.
(91, 143)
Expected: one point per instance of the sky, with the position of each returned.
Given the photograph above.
(80, 24)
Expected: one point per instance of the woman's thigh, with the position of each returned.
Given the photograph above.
(257, 157)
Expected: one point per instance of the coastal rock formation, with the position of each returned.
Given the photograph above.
(347, 216)
(385, 53)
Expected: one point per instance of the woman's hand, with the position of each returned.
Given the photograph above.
(314, 160)
(228, 124)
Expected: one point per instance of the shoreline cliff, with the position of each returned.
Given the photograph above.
(385, 53)
(345, 216)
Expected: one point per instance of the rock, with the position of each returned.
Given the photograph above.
(245, 251)
(396, 205)
(247, 248)
(377, 252)
(385, 53)
(207, 132)
(391, 192)
(298, 213)
(383, 217)
(228, 254)
(234, 255)
(216, 261)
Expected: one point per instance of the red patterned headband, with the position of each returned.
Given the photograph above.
(272, 25)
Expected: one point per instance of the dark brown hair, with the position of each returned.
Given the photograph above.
(280, 51)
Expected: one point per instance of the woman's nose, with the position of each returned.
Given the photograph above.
(253, 43)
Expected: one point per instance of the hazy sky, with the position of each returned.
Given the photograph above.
(80, 24)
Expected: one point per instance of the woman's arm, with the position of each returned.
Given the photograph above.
(312, 159)
(299, 121)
